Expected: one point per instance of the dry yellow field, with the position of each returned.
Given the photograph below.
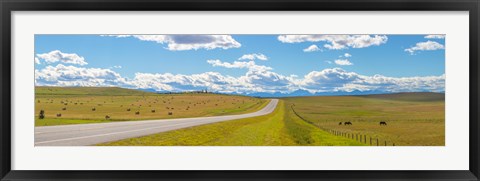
(122, 105)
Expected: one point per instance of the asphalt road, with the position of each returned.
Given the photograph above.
(90, 134)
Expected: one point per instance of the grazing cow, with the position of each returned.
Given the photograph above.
(340, 123)
(347, 123)
(170, 113)
(137, 113)
(94, 109)
(128, 109)
(59, 115)
(64, 108)
(383, 123)
(65, 104)
(107, 117)
(153, 110)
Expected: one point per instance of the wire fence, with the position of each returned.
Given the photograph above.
(362, 138)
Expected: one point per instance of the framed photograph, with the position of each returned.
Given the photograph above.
(235, 90)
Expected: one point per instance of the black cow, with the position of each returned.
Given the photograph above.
(383, 123)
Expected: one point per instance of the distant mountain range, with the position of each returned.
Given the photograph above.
(296, 93)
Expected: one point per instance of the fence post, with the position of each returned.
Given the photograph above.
(370, 141)
(377, 141)
(385, 142)
(393, 144)
(365, 138)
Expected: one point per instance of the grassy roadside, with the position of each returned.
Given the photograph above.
(54, 122)
(280, 128)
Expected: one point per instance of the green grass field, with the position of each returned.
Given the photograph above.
(280, 128)
(78, 103)
(412, 118)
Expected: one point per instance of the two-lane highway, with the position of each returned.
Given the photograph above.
(89, 134)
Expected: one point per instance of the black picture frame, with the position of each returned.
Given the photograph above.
(8, 6)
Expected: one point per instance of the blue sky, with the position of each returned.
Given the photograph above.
(271, 63)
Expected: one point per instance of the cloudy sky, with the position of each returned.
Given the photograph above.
(243, 63)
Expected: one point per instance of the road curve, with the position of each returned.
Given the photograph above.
(90, 134)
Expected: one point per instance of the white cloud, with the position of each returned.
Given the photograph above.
(337, 79)
(58, 56)
(254, 80)
(435, 37)
(214, 81)
(347, 55)
(61, 75)
(312, 48)
(189, 42)
(258, 77)
(253, 57)
(343, 62)
(425, 46)
(117, 66)
(251, 65)
(329, 62)
(37, 61)
(337, 42)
